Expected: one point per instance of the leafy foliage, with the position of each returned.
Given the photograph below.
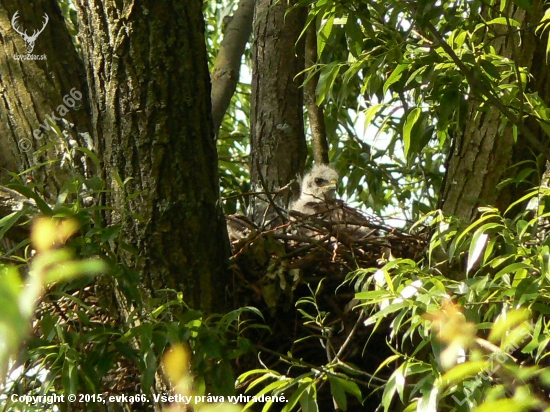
(78, 344)
(474, 338)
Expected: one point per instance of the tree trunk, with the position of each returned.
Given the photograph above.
(483, 153)
(36, 93)
(151, 113)
(278, 147)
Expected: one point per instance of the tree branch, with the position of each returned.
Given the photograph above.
(491, 98)
(225, 74)
(316, 114)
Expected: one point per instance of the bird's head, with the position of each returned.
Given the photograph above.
(320, 183)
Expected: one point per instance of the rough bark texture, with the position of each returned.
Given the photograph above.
(34, 89)
(150, 90)
(277, 130)
(485, 150)
(227, 68)
(319, 142)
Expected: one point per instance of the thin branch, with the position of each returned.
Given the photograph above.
(269, 197)
(491, 348)
(304, 364)
(350, 335)
(518, 73)
(315, 112)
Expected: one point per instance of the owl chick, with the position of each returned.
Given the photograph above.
(318, 187)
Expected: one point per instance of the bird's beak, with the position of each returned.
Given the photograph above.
(334, 184)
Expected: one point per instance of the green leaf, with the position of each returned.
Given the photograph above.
(479, 241)
(506, 405)
(338, 393)
(67, 376)
(512, 268)
(371, 112)
(428, 402)
(70, 270)
(295, 397)
(505, 21)
(394, 76)
(412, 118)
(8, 221)
(354, 36)
(490, 68)
(462, 371)
(266, 373)
(326, 81)
(395, 384)
(387, 361)
(27, 192)
(371, 294)
(394, 307)
(324, 34)
(506, 323)
(340, 387)
(308, 401)
(521, 200)
(91, 155)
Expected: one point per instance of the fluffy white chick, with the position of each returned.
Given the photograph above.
(318, 187)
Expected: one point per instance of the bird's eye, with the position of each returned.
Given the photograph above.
(319, 181)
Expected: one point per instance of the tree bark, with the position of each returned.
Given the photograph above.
(278, 147)
(151, 111)
(33, 90)
(483, 153)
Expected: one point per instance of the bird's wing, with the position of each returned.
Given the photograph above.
(350, 221)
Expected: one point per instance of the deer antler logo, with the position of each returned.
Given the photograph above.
(28, 39)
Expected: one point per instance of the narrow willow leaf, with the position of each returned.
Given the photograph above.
(412, 118)
(476, 247)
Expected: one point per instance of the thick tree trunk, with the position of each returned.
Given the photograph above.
(151, 111)
(484, 152)
(277, 128)
(36, 93)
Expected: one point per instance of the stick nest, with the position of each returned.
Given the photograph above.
(329, 245)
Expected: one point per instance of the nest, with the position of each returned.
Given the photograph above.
(306, 259)
(307, 248)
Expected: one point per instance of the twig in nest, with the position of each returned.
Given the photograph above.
(268, 194)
